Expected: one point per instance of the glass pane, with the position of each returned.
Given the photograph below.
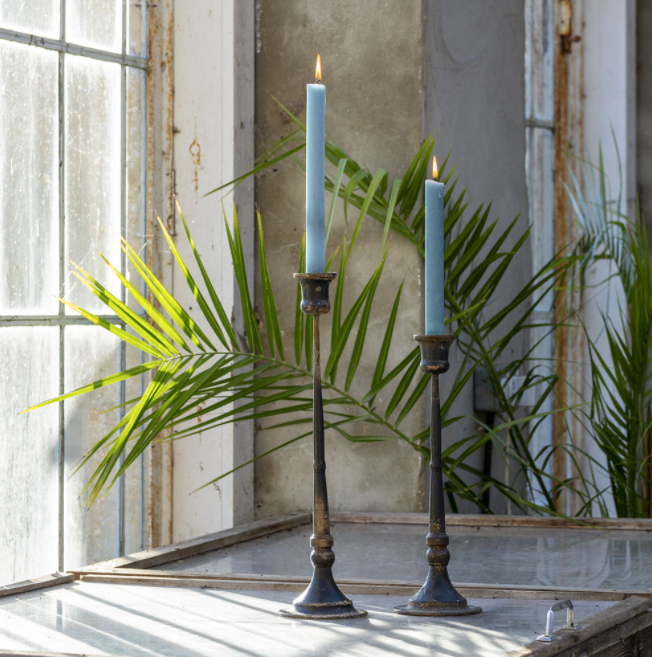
(41, 17)
(91, 534)
(92, 174)
(29, 453)
(136, 156)
(95, 23)
(136, 28)
(29, 181)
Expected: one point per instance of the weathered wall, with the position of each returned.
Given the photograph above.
(372, 65)
(213, 138)
(474, 94)
(644, 108)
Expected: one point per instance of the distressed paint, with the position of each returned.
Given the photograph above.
(539, 167)
(576, 334)
(213, 119)
(562, 135)
(157, 519)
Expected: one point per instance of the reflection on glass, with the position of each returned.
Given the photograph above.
(95, 23)
(92, 173)
(40, 17)
(29, 184)
(29, 453)
(90, 534)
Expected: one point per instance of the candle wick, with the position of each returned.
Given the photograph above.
(317, 80)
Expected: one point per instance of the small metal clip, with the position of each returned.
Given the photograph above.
(550, 621)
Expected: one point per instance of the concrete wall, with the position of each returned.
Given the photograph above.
(474, 95)
(644, 108)
(372, 65)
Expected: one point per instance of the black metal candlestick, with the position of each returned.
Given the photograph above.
(322, 600)
(437, 597)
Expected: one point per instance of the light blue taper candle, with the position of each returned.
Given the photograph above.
(315, 152)
(434, 256)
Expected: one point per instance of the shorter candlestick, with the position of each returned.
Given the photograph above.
(437, 597)
(322, 600)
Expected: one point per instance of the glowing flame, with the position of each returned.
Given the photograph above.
(318, 69)
(435, 170)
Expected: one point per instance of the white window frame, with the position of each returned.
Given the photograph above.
(61, 319)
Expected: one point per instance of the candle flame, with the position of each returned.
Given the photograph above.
(318, 70)
(435, 170)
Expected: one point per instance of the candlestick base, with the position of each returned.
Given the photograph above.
(437, 597)
(322, 600)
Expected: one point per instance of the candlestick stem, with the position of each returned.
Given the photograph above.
(438, 596)
(322, 600)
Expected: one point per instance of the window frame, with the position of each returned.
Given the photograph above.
(61, 319)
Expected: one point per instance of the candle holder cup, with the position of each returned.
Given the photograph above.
(438, 596)
(322, 600)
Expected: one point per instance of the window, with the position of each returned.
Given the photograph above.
(72, 180)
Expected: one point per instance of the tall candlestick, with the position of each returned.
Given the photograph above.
(322, 600)
(315, 152)
(434, 255)
(437, 596)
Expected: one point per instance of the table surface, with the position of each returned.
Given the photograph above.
(146, 621)
(582, 558)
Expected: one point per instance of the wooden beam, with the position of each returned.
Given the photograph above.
(194, 579)
(605, 628)
(37, 583)
(472, 520)
(39, 653)
(207, 543)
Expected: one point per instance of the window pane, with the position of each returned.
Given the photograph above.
(29, 453)
(92, 173)
(95, 23)
(41, 17)
(136, 155)
(136, 28)
(29, 182)
(90, 534)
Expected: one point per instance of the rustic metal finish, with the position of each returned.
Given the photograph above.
(314, 288)
(437, 597)
(322, 600)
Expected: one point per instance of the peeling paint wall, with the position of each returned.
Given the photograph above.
(160, 189)
(372, 54)
(213, 136)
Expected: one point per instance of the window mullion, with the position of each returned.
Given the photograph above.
(61, 45)
(62, 286)
(123, 261)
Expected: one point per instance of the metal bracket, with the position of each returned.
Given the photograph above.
(484, 398)
(550, 621)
